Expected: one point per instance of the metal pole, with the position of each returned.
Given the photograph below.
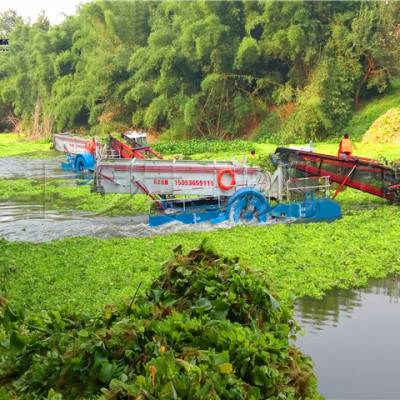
(344, 181)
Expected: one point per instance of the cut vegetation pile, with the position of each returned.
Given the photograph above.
(385, 129)
(207, 328)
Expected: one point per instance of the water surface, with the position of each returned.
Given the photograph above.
(38, 223)
(33, 168)
(353, 337)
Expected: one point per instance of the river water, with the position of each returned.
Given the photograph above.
(353, 338)
(38, 223)
(33, 168)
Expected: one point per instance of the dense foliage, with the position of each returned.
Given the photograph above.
(207, 328)
(198, 68)
(195, 146)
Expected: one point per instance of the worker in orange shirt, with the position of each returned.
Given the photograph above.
(345, 147)
(91, 146)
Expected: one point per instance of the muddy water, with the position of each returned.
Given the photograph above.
(353, 338)
(34, 168)
(39, 224)
(36, 223)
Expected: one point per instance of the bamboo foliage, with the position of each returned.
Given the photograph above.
(199, 69)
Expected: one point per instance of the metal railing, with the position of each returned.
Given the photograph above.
(301, 187)
(181, 203)
(105, 153)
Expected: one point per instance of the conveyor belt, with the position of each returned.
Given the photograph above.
(126, 151)
(363, 174)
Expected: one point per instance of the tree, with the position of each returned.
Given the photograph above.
(8, 21)
(198, 68)
(375, 36)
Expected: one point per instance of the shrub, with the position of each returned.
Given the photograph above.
(196, 146)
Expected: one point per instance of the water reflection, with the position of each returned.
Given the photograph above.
(352, 336)
(316, 314)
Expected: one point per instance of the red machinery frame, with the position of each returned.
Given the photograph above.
(360, 173)
(126, 151)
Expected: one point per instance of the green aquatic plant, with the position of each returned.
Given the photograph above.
(196, 146)
(12, 145)
(207, 328)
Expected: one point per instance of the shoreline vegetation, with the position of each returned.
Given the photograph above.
(292, 71)
(18, 145)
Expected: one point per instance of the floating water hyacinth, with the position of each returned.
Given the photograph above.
(207, 328)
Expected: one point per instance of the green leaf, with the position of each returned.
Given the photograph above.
(17, 342)
(220, 309)
(260, 377)
(221, 358)
(106, 372)
(53, 395)
(202, 304)
(225, 368)
(274, 303)
(84, 333)
(168, 392)
(157, 293)
(10, 316)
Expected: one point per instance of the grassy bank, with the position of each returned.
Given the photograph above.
(370, 111)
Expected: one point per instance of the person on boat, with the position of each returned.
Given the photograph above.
(345, 147)
(91, 146)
